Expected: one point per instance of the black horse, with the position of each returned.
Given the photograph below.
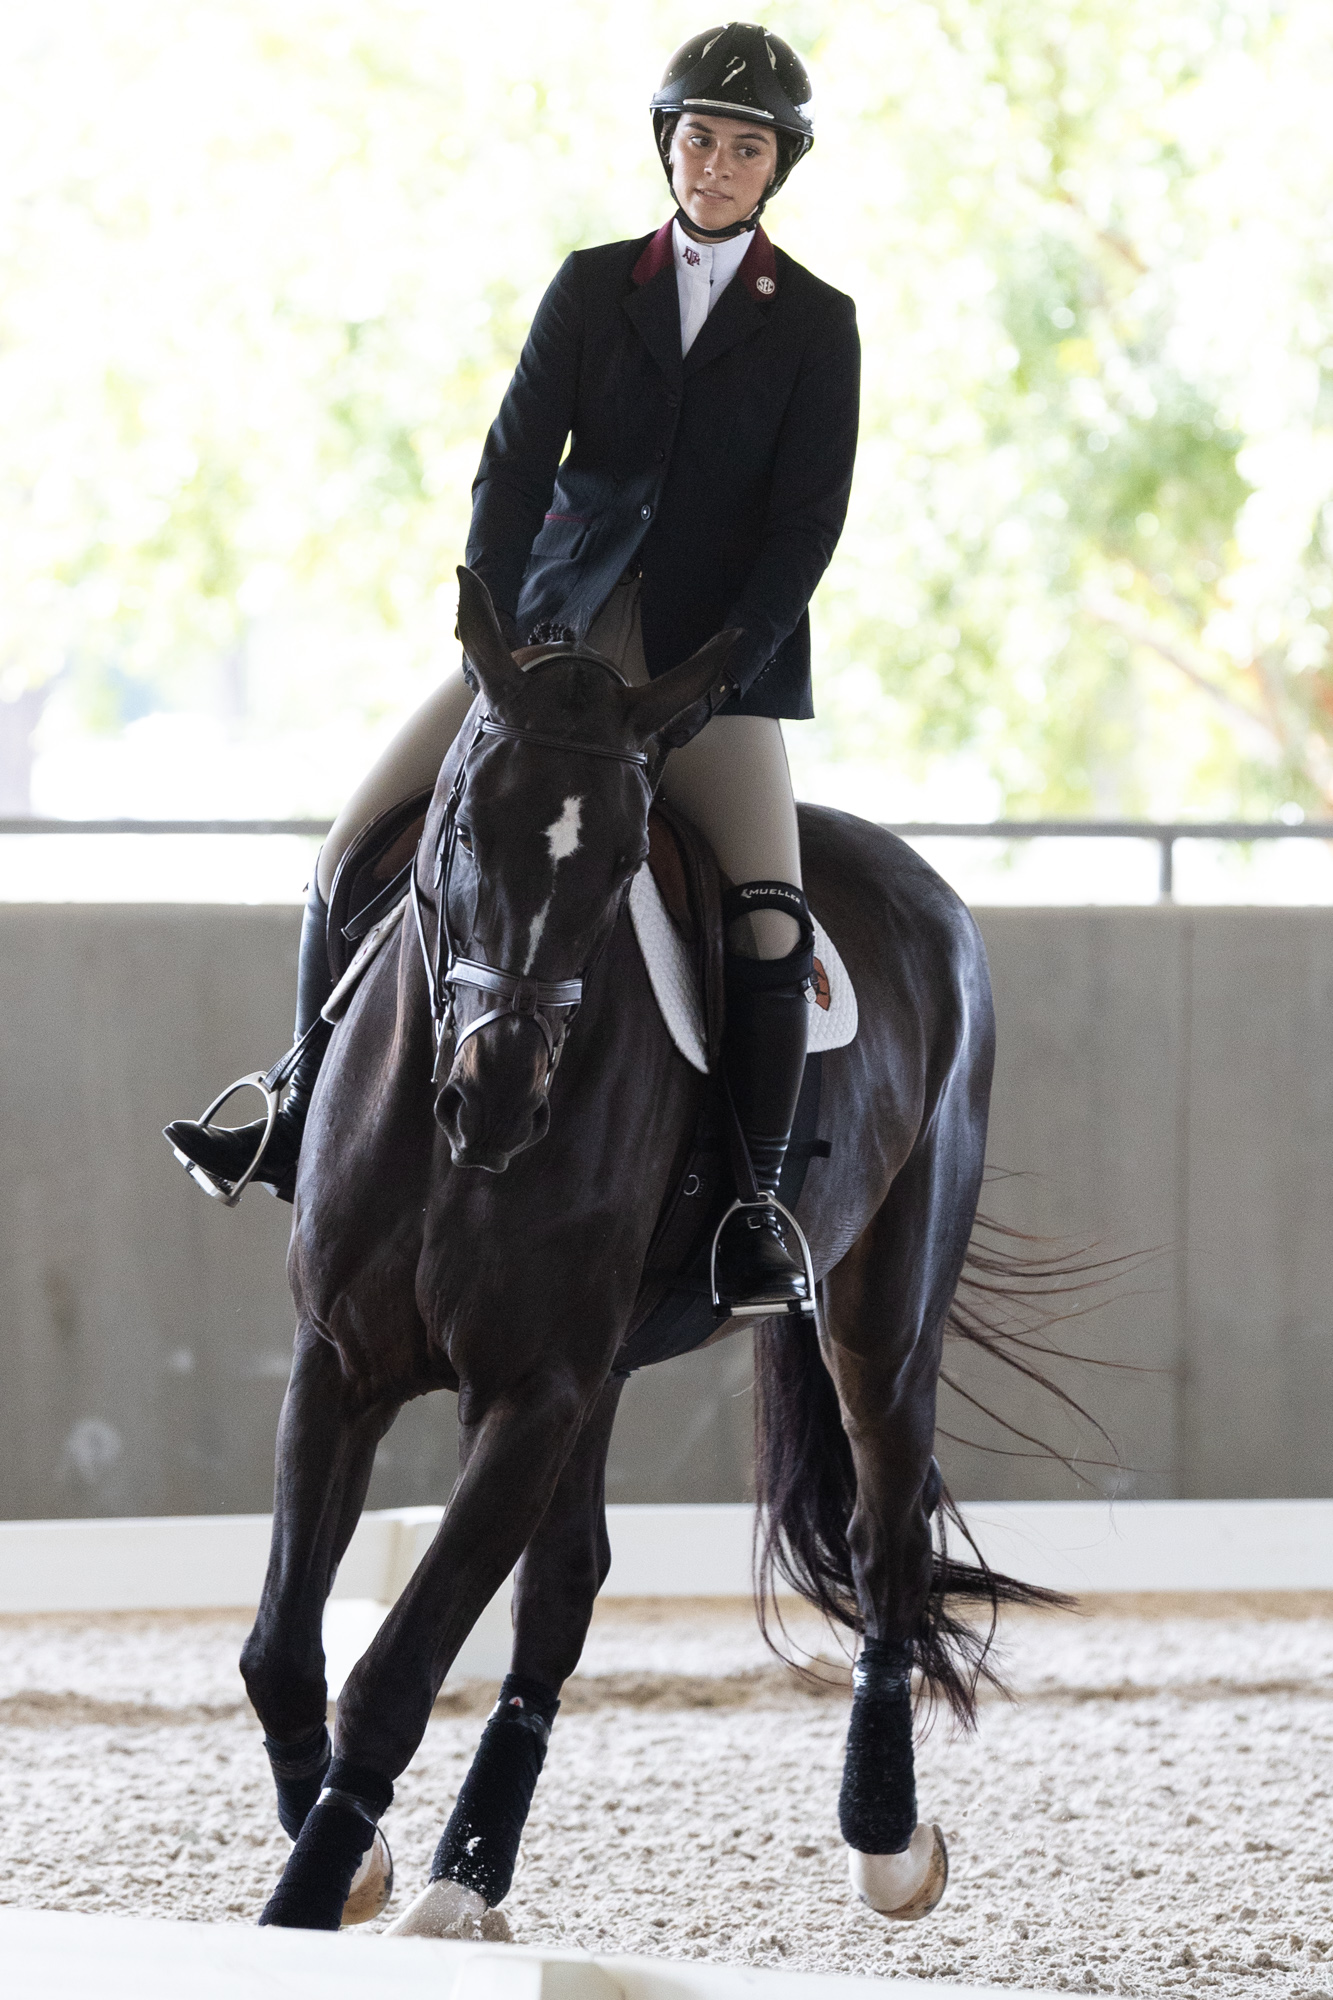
(436, 1245)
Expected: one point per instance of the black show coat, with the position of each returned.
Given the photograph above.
(724, 479)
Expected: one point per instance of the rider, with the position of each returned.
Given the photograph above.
(707, 386)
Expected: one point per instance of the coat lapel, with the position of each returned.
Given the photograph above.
(653, 305)
(742, 309)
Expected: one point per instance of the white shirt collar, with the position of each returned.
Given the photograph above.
(718, 262)
(703, 272)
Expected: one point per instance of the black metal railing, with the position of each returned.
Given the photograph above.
(1163, 834)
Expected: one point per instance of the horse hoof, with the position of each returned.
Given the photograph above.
(445, 1909)
(903, 1886)
(372, 1884)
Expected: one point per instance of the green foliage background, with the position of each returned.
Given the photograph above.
(267, 265)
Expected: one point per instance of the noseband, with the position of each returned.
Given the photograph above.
(551, 1003)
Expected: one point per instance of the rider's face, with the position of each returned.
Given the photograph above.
(720, 168)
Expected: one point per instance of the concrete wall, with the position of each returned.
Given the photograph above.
(1164, 1085)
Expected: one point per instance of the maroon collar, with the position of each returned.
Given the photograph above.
(758, 270)
(655, 255)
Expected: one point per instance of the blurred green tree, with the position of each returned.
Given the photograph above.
(1095, 457)
(267, 268)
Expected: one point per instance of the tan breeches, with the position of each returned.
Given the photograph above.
(732, 781)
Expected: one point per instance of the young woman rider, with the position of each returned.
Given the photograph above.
(707, 386)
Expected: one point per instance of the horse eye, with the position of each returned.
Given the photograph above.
(465, 839)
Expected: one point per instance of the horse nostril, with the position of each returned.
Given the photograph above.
(448, 1105)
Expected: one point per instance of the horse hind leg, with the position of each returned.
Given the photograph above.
(885, 1306)
(562, 1570)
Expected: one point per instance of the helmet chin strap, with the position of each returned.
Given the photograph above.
(694, 228)
(717, 237)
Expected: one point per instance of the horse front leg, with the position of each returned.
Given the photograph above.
(885, 1307)
(515, 1436)
(563, 1567)
(325, 1454)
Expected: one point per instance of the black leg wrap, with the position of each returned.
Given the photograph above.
(329, 1849)
(877, 1804)
(298, 1775)
(479, 1846)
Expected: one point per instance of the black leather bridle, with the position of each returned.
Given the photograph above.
(550, 1003)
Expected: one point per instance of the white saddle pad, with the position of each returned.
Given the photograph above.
(832, 1013)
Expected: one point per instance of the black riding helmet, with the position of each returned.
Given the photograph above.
(738, 71)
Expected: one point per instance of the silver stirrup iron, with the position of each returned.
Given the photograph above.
(270, 1083)
(759, 1310)
(230, 1192)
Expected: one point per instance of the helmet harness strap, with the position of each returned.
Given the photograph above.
(693, 228)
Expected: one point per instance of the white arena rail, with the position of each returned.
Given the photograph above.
(66, 1957)
(214, 1560)
(1087, 1546)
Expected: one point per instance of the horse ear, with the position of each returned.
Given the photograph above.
(483, 641)
(675, 707)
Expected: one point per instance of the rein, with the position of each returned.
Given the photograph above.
(550, 1003)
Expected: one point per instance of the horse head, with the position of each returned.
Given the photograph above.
(538, 826)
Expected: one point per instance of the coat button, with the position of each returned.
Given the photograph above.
(660, 456)
(645, 513)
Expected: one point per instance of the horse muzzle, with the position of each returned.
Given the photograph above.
(491, 1110)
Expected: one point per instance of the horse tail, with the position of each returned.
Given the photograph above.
(1007, 1302)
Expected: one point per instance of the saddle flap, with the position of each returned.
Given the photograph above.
(668, 871)
(689, 881)
(372, 875)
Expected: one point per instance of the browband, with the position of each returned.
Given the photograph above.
(490, 727)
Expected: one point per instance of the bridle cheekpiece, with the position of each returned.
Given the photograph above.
(550, 1003)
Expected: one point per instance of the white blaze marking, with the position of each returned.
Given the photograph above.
(562, 835)
(535, 929)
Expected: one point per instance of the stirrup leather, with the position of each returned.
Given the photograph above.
(723, 1309)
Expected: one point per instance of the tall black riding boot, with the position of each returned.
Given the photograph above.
(223, 1154)
(763, 1054)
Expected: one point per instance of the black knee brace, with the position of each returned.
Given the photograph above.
(479, 1846)
(877, 1804)
(745, 899)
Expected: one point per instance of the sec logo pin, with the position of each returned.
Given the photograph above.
(765, 285)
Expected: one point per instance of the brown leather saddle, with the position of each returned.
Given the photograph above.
(374, 874)
(674, 1311)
